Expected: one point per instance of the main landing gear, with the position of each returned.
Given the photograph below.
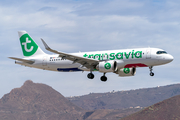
(104, 78)
(151, 73)
(91, 76)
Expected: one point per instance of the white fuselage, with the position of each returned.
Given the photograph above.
(141, 57)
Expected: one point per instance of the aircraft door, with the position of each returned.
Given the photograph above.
(148, 53)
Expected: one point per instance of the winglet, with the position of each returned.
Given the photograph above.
(45, 44)
(48, 48)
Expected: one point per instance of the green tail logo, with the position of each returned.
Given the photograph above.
(29, 47)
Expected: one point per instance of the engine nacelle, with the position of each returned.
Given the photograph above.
(119, 65)
(126, 72)
(109, 66)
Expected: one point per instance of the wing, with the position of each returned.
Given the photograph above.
(87, 62)
(23, 60)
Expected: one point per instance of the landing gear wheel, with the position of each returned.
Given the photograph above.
(103, 78)
(151, 74)
(90, 76)
(151, 69)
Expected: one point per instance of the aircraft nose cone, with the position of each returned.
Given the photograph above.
(170, 58)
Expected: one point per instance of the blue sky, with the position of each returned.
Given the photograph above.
(89, 25)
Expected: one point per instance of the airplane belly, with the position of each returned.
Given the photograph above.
(64, 66)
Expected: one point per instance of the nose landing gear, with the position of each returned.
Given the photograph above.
(151, 73)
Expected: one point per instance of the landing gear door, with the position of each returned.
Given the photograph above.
(44, 62)
(148, 53)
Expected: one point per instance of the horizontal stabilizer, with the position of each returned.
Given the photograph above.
(23, 60)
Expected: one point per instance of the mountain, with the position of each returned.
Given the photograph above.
(34, 101)
(166, 110)
(126, 99)
(104, 114)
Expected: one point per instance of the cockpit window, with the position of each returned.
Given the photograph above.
(161, 52)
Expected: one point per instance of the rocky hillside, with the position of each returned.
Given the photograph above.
(166, 110)
(35, 101)
(108, 114)
(126, 99)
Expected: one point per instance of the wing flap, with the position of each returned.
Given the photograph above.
(23, 60)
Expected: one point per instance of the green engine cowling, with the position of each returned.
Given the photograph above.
(116, 67)
(126, 72)
(110, 66)
(106, 66)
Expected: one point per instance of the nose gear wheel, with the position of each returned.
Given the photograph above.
(151, 73)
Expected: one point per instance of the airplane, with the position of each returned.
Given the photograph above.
(122, 62)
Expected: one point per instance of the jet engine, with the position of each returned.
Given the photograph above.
(126, 72)
(109, 66)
